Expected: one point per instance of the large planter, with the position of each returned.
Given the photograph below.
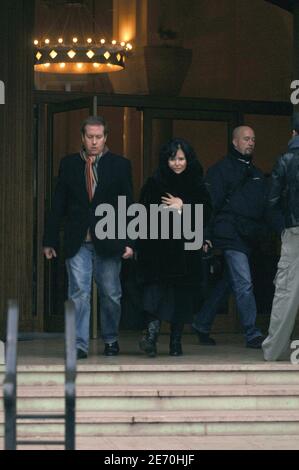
(166, 68)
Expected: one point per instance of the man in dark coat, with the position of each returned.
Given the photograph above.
(284, 198)
(86, 180)
(238, 191)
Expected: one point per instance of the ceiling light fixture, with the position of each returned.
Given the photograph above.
(80, 52)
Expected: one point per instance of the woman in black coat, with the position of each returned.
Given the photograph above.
(171, 274)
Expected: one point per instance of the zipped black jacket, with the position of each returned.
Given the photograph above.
(239, 195)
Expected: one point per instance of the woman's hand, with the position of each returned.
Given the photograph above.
(172, 202)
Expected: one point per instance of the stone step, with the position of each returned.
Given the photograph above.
(172, 423)
(161, 397)
(177, 397)
(184, 374)
(164, 399)
(179, 443)
(159, 390)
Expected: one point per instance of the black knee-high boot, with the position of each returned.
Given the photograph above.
(175, 346)
(148, 343)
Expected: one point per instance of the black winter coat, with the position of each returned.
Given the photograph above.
(239, 195)
(71, 201)
(167, 261)
(284, 192)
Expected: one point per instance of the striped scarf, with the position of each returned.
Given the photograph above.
(91, 171)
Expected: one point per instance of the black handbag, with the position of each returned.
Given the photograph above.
(213, 266)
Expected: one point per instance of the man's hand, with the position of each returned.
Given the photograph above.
(49, 252)
(128, 253)
(207, 244)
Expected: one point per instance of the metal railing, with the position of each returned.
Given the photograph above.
(10, 384)
(10, 381)
(70, 375)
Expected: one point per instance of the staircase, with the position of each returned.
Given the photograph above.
(163, 400)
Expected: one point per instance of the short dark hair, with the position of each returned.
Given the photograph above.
(94, 121)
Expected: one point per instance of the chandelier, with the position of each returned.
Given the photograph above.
(79, 50)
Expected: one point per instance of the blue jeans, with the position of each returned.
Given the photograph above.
(237, 279)
(106, 272)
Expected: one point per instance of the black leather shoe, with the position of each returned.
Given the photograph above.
(81, 354)
(111, 349)
(175, 348)
(255, 343)
(205, 339)
(175, 345)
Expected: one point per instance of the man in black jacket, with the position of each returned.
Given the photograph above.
(284, 198)
(86, 180)
(238, 192)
